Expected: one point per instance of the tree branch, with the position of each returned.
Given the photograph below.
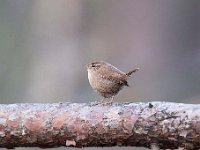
(157, 124)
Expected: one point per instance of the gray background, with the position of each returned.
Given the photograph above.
(44, 46)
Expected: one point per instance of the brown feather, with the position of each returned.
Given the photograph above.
(132, 71)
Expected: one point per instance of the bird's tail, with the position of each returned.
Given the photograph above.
(132, 71)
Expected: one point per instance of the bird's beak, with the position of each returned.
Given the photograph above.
(87, 66)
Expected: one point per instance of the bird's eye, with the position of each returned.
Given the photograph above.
(93, 65)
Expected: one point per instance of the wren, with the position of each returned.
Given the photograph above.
(106, 79)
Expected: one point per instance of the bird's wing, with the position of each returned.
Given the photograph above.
(115, 75)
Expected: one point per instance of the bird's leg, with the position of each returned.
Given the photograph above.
(103, 101)
(108, 102)
(111, 100)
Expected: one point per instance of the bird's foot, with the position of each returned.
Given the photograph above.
(103, 102)
(95, 103)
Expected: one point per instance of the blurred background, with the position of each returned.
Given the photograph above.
(44, 46)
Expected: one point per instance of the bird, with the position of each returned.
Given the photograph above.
(107, 80)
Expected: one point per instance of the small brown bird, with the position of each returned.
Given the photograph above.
(106, 79)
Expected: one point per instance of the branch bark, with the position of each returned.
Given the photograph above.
(166, 125)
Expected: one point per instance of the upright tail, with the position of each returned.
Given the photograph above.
(132, 71)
